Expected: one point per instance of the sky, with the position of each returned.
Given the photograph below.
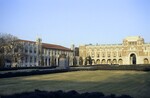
(79, 22)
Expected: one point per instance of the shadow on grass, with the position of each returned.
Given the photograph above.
(135, 85)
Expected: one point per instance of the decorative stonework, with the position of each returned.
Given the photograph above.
(118, 53)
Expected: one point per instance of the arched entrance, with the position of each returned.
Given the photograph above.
(93, 61)
(120, 61)
(103, 61)
(132, 58)
(146, 61)
(98, 61)
(114, 61)
(109, 61)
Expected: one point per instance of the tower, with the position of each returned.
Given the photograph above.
(39, 51)
(73, 49)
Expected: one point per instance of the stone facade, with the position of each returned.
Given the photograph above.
(133, 50)
(42, 54)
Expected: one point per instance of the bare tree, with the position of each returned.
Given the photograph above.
(11, 49)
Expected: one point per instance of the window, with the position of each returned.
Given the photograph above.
(114, 54)
(98, 55)
(26, 59)
(31, 50)
(30, 59)
(16, 50)
(34, 50)
(15, 59)
(26, 50)
(35, 59)
(108, 54)
(103, 54)
(120, 54)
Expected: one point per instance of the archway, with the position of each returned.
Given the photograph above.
(114, 61)
(132, 58)
(146, 61)
(103, 61)
(120, 61)
(93, 61)
(98, 61)
(74, 61)
(109, 61)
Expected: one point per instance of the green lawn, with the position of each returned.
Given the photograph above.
(134, 83)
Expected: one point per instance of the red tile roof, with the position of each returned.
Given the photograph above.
(49, 46)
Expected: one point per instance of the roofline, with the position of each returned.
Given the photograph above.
(66, 49)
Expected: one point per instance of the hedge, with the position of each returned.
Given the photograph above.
(34, 72)
(92, 67)
(62, 94)
(20, 68)
(112, 67)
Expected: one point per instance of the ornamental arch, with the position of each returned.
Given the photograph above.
(146, 61)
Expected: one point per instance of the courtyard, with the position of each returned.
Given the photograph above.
(133, 83)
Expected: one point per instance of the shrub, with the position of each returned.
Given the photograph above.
(34, 72)
(20, 68)
(113, 67)
(61, 94)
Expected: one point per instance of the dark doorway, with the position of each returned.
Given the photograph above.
(132, 59)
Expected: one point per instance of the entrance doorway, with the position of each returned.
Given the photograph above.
(133, 59)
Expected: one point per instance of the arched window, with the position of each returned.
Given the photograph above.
(114, 61)
(109, 61)
(93, 61)
(97, 61)
(120, 61)
(103, 61)
(146, 61)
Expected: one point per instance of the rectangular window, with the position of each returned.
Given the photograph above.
(26, 50)
(26, 59)
(30, 59)
(108, 55)
(97, 55)
(15, 59)
(35, 59)
(114, 54)
(34, 50)
(103, 55)
(31, 50)
(120, 54)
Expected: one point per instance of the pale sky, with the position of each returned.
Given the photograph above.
(78, 22)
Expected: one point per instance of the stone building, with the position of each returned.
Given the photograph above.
(133, 50)
(42, 54)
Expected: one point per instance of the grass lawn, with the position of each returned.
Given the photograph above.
(134, 83)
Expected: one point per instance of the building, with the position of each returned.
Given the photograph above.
(133, 50)
(37, 53)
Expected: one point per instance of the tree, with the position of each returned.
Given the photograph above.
(88, 60)
(74, 61)
(80, 61)
(11, 49)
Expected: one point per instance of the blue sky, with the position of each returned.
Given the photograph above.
(78, 22)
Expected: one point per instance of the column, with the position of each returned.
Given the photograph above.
(56, 61)
(44, 61)
(28, 61)
(47, 61)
